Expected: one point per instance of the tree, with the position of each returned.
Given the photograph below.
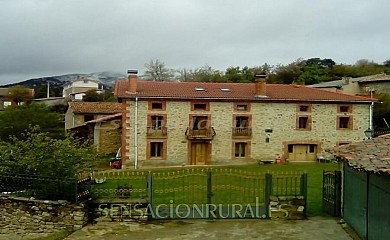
(15, 121)
(20, 94)
(287, 74)
(157, 71)
(92, 96)
(38, 155)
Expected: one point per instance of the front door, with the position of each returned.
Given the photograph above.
(199, 153)
(303, 152)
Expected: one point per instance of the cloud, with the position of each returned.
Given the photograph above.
(49, 37)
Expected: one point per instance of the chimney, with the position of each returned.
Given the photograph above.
(132, 78)
(260, 85)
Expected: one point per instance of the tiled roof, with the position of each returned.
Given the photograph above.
(372, 155)
(372, 78)
(239, 91)
(95, 107)
(106, 118)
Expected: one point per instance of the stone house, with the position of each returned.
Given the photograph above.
(5, 99)
(75, 90)
(194, 123)
(366, 186)
(378, 83)
(79, 113)
(105, 133)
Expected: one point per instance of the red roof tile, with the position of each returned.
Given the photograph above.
(95, 107)
(372, 155)
(238, 91)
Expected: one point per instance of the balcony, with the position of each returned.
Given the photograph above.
(200, 134)
(241, 132)
(153, 132)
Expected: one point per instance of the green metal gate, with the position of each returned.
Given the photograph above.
(207, 193)
(331, 192)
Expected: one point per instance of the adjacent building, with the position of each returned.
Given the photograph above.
(79, 113)
(194, 123)
(75, 90)
(6, 99)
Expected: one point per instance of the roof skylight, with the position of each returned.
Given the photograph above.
(199, 89)
(226, 90)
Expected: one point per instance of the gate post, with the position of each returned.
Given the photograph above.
(304, 190)
(209, 187)
(268, 192)
(337, 193)
(149, 188)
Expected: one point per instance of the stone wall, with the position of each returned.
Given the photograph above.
(287, 207)
(280, 117)
(29, 218)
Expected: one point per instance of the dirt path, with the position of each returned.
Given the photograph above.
(314, 228)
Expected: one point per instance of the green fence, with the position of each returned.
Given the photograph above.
(365, 203)
(226, 190)
(48, 188)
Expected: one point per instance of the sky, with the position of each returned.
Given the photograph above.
(49, 37)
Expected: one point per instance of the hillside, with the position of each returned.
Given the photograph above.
(56, 82)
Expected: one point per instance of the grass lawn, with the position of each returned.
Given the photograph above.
(136, 179)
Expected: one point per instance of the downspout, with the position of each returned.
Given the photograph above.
(371, 112)
(136, 134)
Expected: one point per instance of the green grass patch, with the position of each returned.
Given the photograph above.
(55, 236)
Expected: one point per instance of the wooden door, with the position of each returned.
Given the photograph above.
(199, 153)
(300, 152)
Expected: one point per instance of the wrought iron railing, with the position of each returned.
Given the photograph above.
(154, 132)
(204, 133)
(242, 132)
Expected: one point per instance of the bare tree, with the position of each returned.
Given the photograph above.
(157, 71)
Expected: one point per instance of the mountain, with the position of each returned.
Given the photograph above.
(107, 78)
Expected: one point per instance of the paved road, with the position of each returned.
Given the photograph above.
(319, 228)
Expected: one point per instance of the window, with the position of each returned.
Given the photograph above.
(304, 108)
(344, 122)
(7, 103)
(200, 106)
(242, 122)
(303, 122)
(344, 108)
(290, 148)
(245, 107)
(199, 122)
(157, 122)
(240, 149)
(312, 148)
(88, 118)
(156, 149)
(157, 105)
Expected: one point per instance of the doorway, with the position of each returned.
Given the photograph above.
(302, 152)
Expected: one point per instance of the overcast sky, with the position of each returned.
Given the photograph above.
(50, 37)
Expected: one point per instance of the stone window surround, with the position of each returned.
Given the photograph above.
(149, 119)
(150, 105)
(308, 125)
(247, 150)
(350, 122)
(248, 106)
(207, 106)
(249, 116)
(339, 106)
(309, 108)
(148, 149)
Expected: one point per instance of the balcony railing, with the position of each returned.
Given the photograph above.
(153, 132)
(242, 132)
(205, 133)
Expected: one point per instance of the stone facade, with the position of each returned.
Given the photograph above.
(29, 218)
(273, 126)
